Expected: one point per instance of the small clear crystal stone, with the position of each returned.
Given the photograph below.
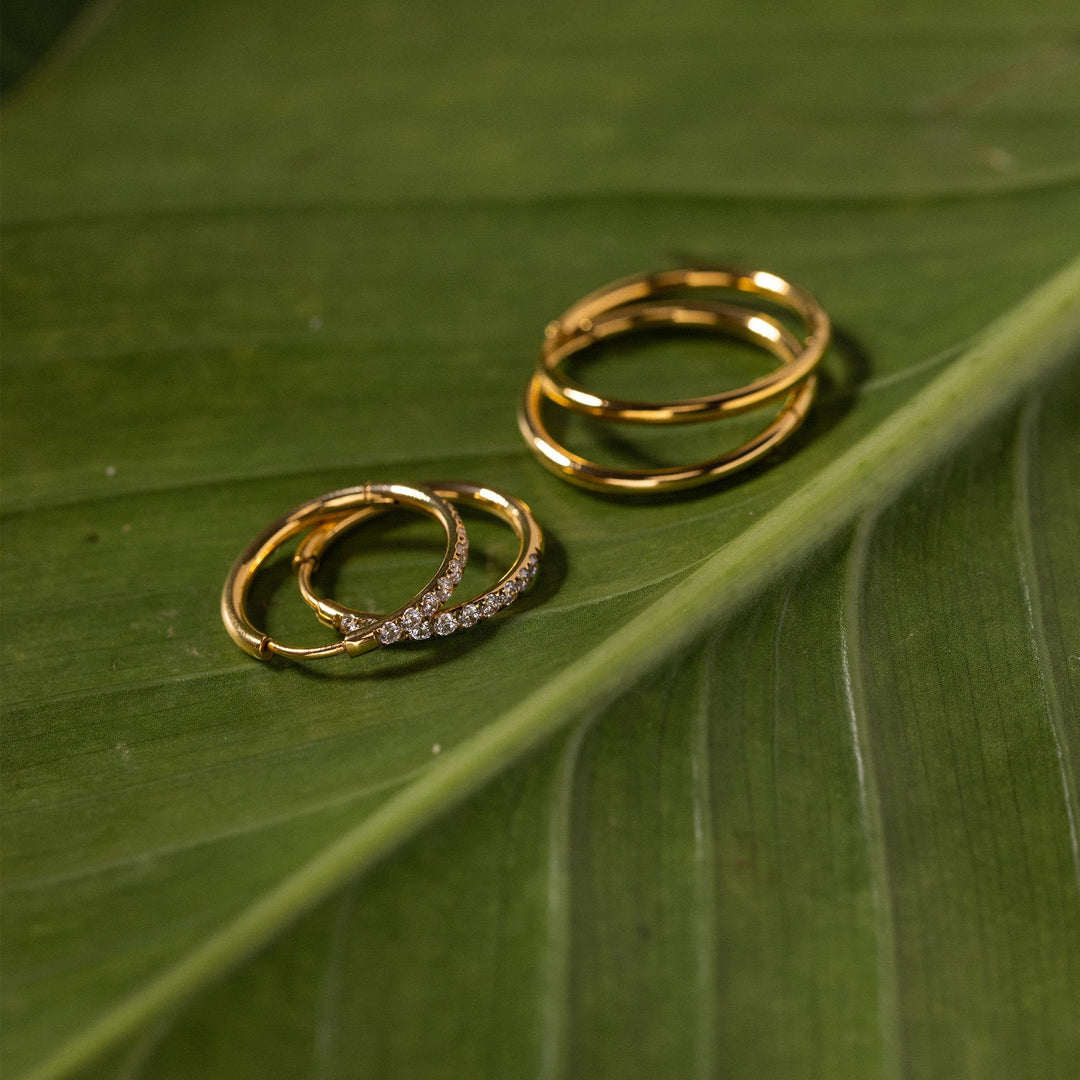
(445, 624)
(421, 632)
(430, 603)
(348, 623)
(453, 571)
(468, 616)
(489, 605)
(508, 593)
(389, 632)
(445, 588)
(411, 618)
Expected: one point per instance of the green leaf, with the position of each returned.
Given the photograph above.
(776, 780)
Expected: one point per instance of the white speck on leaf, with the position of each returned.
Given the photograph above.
(993, 157)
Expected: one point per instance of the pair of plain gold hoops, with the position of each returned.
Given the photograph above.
(623, 307)
(629, 305)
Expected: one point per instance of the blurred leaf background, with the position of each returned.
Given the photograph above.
(656, 823)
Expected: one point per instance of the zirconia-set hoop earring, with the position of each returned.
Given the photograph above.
(429, 615)
(328, 517)
(627, 306)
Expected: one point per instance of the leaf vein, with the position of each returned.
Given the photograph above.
(1027, 566)
(554, 1004)
(342, 799)
(1061, 177)
(870, 810)
(706, 936)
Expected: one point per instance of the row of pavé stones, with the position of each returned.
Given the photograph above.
(420, 622)
(432, 601)
(417, 624)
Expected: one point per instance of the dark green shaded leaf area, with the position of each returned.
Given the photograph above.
(27, 30)
(776, 780)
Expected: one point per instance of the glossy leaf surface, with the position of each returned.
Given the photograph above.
(777, 780)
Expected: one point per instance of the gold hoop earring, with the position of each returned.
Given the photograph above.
(420, 621)
(721, 318)
(624, 294)
(314, 512)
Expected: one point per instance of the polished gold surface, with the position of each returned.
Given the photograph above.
(729, 319)
(428, 615)
(580, 324)
(313, 513)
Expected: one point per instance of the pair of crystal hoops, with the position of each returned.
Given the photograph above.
(430, 612)
(630, 305)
